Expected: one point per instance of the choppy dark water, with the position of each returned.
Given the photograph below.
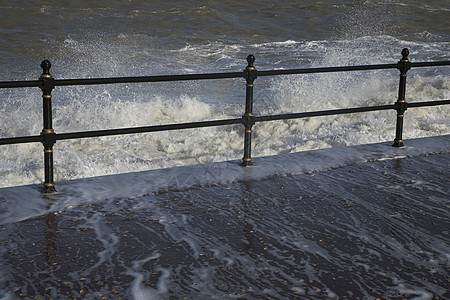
(153, 33)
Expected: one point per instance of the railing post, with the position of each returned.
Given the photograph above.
(248, 119)
(48, 84)
(401, 105)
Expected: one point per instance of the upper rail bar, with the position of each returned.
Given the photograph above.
(207, 76)
(47, 83)
(157, 78)
(348, 68)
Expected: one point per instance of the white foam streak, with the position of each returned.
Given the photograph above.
(108, 240)
(138, 290)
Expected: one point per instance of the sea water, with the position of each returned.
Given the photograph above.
(138, 38)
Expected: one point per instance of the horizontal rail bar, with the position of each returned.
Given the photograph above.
(98, 133)
(348, 68)
(347, 111)
(323, 113)
(428, 103)
(326, 69)
(157, 78)
(186, 77)
(168, 127)
(162, 78)
(431, 63)
(20, 84)
(21, 140)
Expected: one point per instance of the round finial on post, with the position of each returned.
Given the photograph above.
(250, 60)
(405, 53)
(46, 65)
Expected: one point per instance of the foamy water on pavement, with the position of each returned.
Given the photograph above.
(362, 228)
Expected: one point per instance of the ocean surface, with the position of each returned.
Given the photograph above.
(136, 38)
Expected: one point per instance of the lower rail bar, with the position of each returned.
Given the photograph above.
(323, 113)
(21, 140)
(99, 133)
(429, 103)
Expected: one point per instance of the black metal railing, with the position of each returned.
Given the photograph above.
(47, 83)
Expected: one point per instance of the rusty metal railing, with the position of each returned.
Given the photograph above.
(47, 83)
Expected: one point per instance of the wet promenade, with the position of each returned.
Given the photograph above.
(368, 222)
